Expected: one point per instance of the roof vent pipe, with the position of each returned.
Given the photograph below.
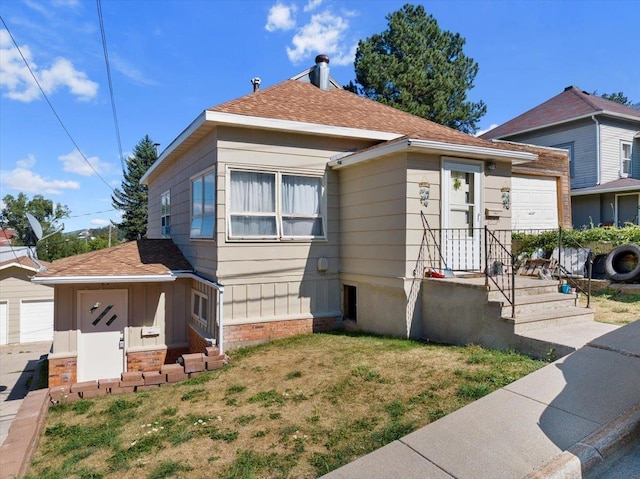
(321, 77)
(255, 81)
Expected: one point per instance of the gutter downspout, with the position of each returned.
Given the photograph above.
(598, 176)
(220, 288)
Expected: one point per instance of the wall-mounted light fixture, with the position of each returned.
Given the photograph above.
(425, 191)
(506, 197)
(491, 165)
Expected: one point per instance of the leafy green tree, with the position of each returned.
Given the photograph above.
(14, 216)
(417, 67)
(618, 97)
(132, 198)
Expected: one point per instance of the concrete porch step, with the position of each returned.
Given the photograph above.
(553, 317)
(524, 288)
(526, 304)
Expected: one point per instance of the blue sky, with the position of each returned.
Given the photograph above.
(171, 59)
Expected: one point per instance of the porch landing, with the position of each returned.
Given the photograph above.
(547, 324)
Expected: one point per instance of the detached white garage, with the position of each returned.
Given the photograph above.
(3, 324)
(534, 202)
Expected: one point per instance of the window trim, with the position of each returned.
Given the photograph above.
(165, 229)
(200, 176)
(570, 147)
(279, 214)
(199, 318)
(623, 158)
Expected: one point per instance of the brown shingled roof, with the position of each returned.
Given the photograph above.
(571, 103)
(134, 258)
(23, 262)
(299, 101)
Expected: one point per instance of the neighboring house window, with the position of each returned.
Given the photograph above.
(569, 148)
(625, 159)
(203, 205)
(275, 205)
(199, 307)
(165, 215)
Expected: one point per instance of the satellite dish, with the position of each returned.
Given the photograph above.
(35, 226)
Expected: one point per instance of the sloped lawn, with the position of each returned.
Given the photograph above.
(298, 408)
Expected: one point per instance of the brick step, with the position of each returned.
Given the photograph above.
(554, 317)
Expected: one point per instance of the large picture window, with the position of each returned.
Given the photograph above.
(275, 205)
(203, 205)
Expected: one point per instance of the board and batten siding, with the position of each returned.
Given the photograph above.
(583, 136)
(150, 305)
(16, 286)
(612, 134)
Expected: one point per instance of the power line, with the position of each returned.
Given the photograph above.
(51, 106)
(92, 213)
(113, 102)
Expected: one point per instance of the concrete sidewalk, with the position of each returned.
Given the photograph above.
(17, 364)
(557, 422)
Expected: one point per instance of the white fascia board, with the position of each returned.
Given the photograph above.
(575, 118)
(186, 133)
(468, 151)
(18, 265)
(591, 191)
(150, 278)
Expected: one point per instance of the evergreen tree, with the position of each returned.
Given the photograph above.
(132, 198)
(618, 97)
(417, 67)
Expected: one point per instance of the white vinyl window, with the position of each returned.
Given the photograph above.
(199, 307)
(165, 214)
(203, 205)
(275, 205)
(625, 159)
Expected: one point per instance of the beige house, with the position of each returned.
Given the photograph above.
(296, 208)
(26, 309)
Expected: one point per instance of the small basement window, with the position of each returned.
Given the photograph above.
(350, 307)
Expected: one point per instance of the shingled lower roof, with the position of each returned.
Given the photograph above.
(571, 104)
(23, 262)
(143, 259)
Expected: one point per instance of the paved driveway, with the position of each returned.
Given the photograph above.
(17, 364)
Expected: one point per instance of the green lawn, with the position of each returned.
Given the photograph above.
(299, 408)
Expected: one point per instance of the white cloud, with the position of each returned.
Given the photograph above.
(25, 180)
(325, 33)
(100, 222)
(130, 71)
(17, 81)
(74, 163)
(280, 17)
(28, 162)
(312, 5)
(491, 127)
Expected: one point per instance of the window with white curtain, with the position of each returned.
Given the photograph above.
(275, 205)
(203, 205)
(165, 215)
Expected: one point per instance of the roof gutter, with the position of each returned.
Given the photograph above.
(217, 286)
(149, 278)
(592, 191)
(598, 174)
(429, 146)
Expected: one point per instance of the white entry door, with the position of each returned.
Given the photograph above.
(461, 207)
(102, 315)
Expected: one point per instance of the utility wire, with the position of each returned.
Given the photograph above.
(113, 102)
(51, 106)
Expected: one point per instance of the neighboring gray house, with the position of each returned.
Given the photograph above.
(603, 140)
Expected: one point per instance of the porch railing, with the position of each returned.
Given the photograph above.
(500, 267)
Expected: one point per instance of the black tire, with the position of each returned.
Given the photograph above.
(623, 263)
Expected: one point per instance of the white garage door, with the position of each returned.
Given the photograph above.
(3, 323)
(534, 203)
(36, 320)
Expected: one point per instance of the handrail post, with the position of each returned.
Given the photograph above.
(513, 285)
(589, 272)
(560, 255)
(486, 257)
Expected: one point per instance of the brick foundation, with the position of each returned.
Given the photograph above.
(237, 336)
(146, 360)
(63, 371)
(174, 353)
(197, 344)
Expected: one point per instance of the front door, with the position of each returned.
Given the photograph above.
(102, 316)
(461, 206)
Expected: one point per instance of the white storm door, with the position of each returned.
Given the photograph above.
(3, 323)
(461, 207)
(102, 315)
